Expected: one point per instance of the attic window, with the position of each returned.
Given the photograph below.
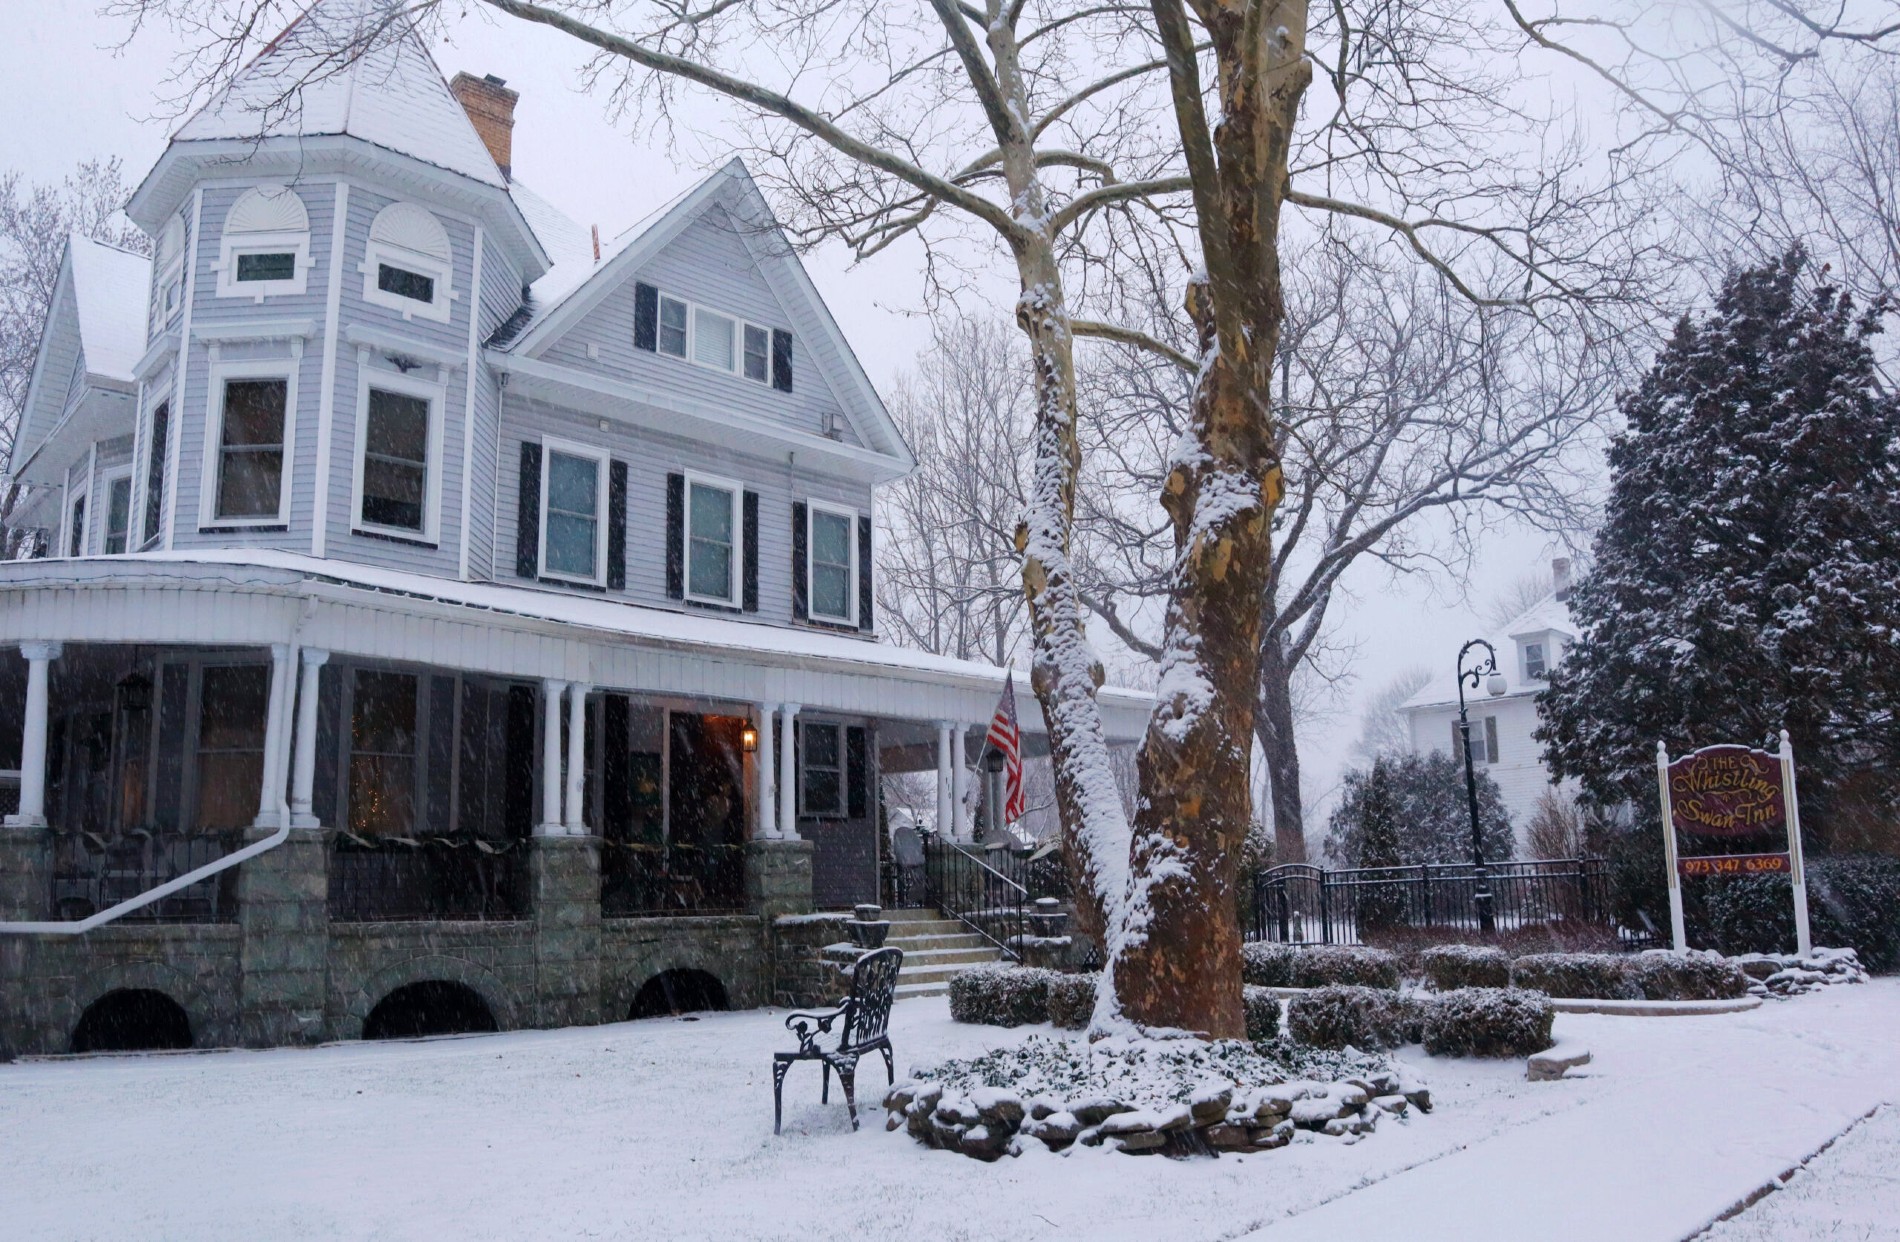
(407, 263)
(404, 283)
(758, 354)
(265, 249)
(673, 327)
(267, 265)
(1534, 665)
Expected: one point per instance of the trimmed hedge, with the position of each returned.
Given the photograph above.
(999, 995)
(1447, 967)
(1338, 1015)
(1577, 976)
(1316, 966)
(1664, 975)
(1488, 1022)
(1071, 1000)
(1263, 1012)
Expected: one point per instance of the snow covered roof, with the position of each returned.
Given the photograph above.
(109, 288)
(1547, 614)
(349, 67)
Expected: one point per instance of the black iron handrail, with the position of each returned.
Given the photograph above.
(960, 884)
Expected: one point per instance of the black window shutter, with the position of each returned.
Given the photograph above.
(646, 317)
(799, 608)
(781, 360)
(751, 537)
(676, 536)
(864, 572)
(857, 772)
(528, 513)
(617, 526)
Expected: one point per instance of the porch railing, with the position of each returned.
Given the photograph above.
(640, 880)
(92, 872)
(959, 882)
(402, 879)
(1303, 904)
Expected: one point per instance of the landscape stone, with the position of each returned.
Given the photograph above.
(1140, 1143)
(1552, 1063)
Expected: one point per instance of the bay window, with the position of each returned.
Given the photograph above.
(253, 415)
(397, 483)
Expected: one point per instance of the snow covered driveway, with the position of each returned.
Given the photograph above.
(663, 1129)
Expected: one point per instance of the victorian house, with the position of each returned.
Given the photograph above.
(499, 598)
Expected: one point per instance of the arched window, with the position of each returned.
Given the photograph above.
(408, 263)
(266, 244)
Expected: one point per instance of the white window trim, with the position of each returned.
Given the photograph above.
(68, 535)
(842, 809)
(436, 394)
(235, 244)
(160, 314)
(740, 324)
(734, 597)
(377, 253)
(550, 446)
(260, 368)
(812, 509)
(106, 479)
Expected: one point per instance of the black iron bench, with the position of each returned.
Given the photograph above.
(863, 1025)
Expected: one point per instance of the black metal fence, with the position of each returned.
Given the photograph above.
(401, 880)
(93, 872)
(639, 880)
(959, 881)
(1303, 904)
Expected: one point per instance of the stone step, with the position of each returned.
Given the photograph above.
(927, 944)
(949, 957)
(930, 974)
(921, 915)
(911, 991)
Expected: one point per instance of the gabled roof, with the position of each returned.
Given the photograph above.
(355, 68)
(577, 284)
(1547, 614)
(110, 287)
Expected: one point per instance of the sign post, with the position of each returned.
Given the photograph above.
(1733, 792)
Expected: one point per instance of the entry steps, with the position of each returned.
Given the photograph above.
(935, 948)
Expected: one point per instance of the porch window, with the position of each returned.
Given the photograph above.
(398, 429)
(572, 488)
(233, 702)
(382, 789)
(76, 527)
(834, 565)
(118, 513)
(713, 552)
(155, 471)
(821, 783)
(251, 449)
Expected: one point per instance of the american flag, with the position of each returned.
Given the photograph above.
(1007, 736)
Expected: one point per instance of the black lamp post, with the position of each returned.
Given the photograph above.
(1485, 673)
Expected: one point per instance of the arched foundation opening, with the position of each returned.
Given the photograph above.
(677, 992)
(132, 1020)
(432, 1007)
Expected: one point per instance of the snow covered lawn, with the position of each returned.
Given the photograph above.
(663, 1129)
(1849, 1193)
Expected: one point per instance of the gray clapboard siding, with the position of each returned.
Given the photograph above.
(708, 263)
(500, 296)
(650, 457)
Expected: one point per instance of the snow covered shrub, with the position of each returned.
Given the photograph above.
(1488, 1022)
(1447, 967)
(1000, 995)
(1853, 902)
(1315, 966)
(1071, 1000)
(1347, 1015)
(1263, 1012)
(1577, 976)
(1665, 975)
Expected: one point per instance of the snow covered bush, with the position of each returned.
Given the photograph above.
(1447, 967)
(1577, 976)
(1487, 1022)
(1348, 1016)
(1315, 966)
(1665, 975)
(1852, 903)
(999, 995)
(1071, 1000)
(1263, 1012)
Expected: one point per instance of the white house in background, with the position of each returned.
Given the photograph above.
(1502, 725)
(514, 588)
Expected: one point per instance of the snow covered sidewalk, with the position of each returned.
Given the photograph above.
(663, 1129)
(1849, 1193)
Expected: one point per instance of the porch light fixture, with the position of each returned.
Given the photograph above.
(749, 738)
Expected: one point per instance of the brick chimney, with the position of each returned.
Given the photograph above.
(491, 107)
(1560, 577)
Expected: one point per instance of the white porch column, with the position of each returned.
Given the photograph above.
(550, 825)
(767, 818)
(576, 758)
(960, 790)
(32, 813)
(788, 773)
(303, 773)
(946, 825)
(271, 792)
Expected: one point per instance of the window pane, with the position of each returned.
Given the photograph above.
(712, 339)
(570, 545)
(118, 514)
(821, 746)
(395, 471)
(712, 513)
(383, 718)
(254, 412)
(398, 425)
(273, 266)
(233, 699)
(248, 484)
(573, 484)
(758, 347)
(76, 532)
(712, 570)
(382, 794)
(230, 786)
(404, 283)
(393, 493)
(831, 538)
(673, 327)
(155, 471)
(831, 591)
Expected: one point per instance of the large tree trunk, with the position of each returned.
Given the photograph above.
(1273, 727)
(1179, 960)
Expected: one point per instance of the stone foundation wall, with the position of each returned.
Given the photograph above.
(731, 948)
(49, 980)
(805, 976)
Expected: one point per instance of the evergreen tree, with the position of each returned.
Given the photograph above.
(1382, 906)
(1429, 814)
(1747, 574)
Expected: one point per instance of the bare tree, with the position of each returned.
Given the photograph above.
(1383, 729)
(36, 222)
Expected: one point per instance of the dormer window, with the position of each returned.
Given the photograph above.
(265, 250)
(408, 262)
(679, 328)
(1535, 668)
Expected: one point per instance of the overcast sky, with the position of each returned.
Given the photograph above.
(69, 94)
